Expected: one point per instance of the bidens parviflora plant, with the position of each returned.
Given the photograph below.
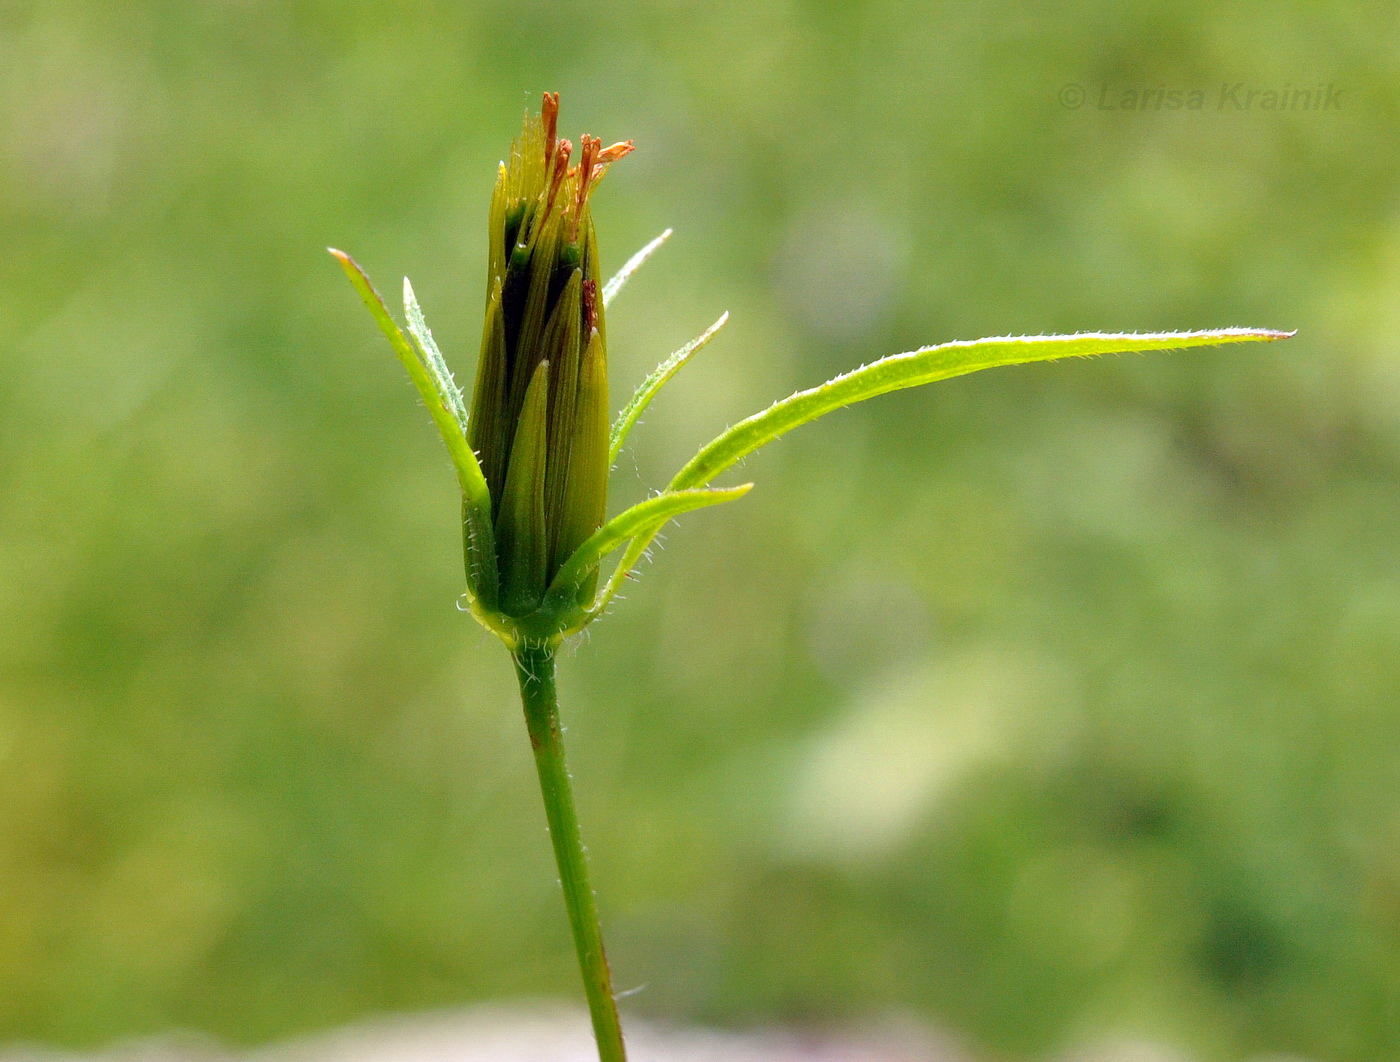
(532, 456)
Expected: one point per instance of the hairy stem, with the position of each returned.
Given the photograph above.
(534, 667)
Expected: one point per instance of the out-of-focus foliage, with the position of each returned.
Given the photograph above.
(1050, 704)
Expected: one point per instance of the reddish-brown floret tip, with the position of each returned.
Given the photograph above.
(549, 116)
(613, 152)
(588, 153)
(586, 159)
(561, 167)
(590, 308)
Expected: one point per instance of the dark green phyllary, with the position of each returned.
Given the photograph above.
(539, 413)
(532, 458)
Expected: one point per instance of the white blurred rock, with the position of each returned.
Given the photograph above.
(540, 1034)
(555, 1034)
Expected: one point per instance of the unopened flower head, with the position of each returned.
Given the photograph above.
(539, 416)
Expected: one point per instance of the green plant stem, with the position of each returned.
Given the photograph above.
(534, 667)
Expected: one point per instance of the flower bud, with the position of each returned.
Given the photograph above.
(539, 414)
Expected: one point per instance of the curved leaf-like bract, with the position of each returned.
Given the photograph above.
(481, 547)
(648, 388)
(432, 357)
(623, 275)
(649, 515)
(636, 549)
(927, 365)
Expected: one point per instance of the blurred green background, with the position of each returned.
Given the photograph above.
(1045, 705)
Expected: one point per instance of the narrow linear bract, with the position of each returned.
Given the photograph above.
(533, 448)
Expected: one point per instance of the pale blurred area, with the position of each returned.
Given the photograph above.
(536, 1035)
(555, 1034)
(1055, 711)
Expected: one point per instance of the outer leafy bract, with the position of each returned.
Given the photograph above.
(648, 388)
(651, 514)
(481, 537)
(898, 371)
(432, 357)
(927, 365)
(623, 275)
